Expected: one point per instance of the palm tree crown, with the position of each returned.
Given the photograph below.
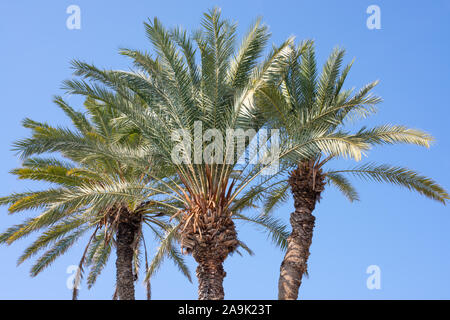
(91, 188)
(310, 107)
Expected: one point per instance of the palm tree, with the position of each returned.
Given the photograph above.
(307, 106)
(180, 94)
(100, 185)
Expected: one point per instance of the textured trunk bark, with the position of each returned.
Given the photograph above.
(294, 264)
(210, 240)
(210, 276)
(127, 231)
(306, 184)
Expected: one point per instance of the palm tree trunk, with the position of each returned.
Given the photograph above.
(127, 230)
(210, 275)
(210, 241)
(306, 184)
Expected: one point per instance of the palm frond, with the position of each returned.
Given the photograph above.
(399, 176)
(274, 228)
(344, 185)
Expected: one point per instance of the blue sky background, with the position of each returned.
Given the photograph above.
(403, 233)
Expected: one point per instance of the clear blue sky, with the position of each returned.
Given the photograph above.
(403, 233)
